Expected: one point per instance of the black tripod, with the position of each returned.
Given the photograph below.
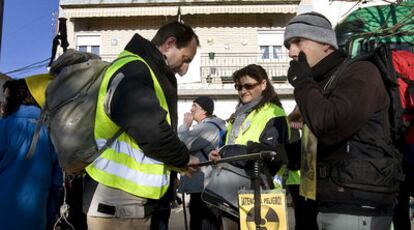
(258, 159)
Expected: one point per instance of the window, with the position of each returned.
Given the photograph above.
(270, 44)
(95, 49)
(264, 50)
(82, 48)
(89, 43)
(277, 52)
(271, 52)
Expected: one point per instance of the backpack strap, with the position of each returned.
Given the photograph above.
(110, 93)
(110, 141)
(410, 89)
(221, 131)
(336, 76)
(217, 126)
(36, 134)
(113, 84)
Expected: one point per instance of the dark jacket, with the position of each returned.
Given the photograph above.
(347, 123)
(135, 105)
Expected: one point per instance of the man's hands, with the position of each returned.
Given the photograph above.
(188, 119)
(214, 155)
(192, 165)
(299, 71)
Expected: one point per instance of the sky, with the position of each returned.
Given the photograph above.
(29, 27)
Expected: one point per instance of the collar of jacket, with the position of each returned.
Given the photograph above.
(27, 111)
(148, 51)
(327, 66)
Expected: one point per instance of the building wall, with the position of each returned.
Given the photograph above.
(223, 108)
(217, 33)
(222, 34)
(116, 32)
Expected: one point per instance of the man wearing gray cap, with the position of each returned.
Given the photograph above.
(344, 107)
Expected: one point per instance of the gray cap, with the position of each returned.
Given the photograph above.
(312, 26)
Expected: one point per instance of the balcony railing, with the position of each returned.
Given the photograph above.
(217, 68)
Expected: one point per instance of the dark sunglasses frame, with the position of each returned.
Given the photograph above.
(248, 86)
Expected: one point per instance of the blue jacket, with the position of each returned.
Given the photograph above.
(30, 190)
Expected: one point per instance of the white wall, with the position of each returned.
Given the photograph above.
(193, 74)
(223, 108)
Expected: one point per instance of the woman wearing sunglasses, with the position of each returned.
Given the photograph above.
(259, 123)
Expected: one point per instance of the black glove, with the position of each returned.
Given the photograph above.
(299, 71)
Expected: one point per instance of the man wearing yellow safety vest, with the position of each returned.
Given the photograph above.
(129, 180)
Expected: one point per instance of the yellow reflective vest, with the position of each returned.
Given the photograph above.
(253, 126)
(255, 123)
(123, 165)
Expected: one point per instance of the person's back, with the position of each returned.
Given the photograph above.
(345, 147)
(31, 188)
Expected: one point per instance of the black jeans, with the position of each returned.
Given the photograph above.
(201, 216)
(306, 211)
(401, 212)
(161, 217)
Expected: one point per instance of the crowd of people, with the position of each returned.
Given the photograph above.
(328, 148)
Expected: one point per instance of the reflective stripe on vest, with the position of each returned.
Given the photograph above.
(255, 123)
(123, 165)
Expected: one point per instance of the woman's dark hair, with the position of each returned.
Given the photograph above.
(18, 95)
(183, 34)
(259, 74)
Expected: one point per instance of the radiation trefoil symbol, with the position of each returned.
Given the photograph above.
(269, 220)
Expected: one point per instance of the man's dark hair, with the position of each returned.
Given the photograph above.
(181, 32)
(259, 74)
(19, 94)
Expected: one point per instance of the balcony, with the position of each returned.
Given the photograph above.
(217, 68)
(216, 73)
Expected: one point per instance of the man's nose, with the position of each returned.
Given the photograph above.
(293, 53)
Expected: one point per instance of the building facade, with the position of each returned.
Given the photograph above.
(232, 33)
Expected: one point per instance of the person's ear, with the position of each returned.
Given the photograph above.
(263, 85)
(170, 42)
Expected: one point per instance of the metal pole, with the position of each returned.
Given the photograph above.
(257, 196)
(247, 157)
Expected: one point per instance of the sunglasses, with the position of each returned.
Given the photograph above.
(248, 86)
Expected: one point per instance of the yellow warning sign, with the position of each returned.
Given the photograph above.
(308, 164)
(273, 210)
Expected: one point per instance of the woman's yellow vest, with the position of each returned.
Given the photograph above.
(255, 123)
(124, 165)
(253, 126)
